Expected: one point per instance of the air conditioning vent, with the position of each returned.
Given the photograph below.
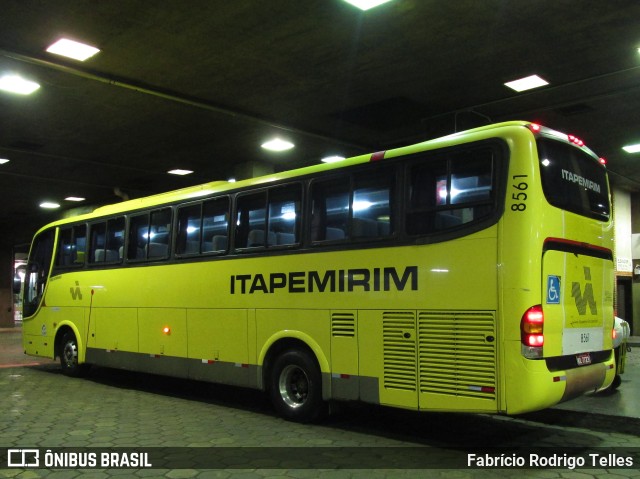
(458, 353)
(399, 343)
(343, 325)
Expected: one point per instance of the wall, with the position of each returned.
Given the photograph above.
(6, 287)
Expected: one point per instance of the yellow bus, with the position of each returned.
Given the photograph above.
(468, 273)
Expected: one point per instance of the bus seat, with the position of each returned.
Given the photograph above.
(256, 238)
(364, 228)
(192, 247)
(218, 243)
(384, 228)
(157, 250)
(445, 220)
(285, 238)
(333, 234)
(98, 256)
(109, 255)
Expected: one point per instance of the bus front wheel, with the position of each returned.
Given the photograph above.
(296, 387)
(69, 357)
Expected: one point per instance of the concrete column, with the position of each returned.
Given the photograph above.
(252, 169)
(6, 286)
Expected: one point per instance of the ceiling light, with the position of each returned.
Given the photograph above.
(179, 172)
(69, 48)
(74, 198)
(632, 148)
(528, 83)
(365, 5)
(332, 159)
(49, 205)
(3, 161)
(277, 145)
(17, 84)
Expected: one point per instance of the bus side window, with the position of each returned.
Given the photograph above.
(372, 214)
(97, 250)
(215, 225)
(284, 215)
(159, 234)
(189, 229)
(72, 244)
(138, 237)
(330, 209)
(115, 240)
(445, 193)
(107, 240)
(250, 224)
(427, 190)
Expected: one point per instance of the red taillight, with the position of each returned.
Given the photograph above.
(575, 140)
(603, 161)
(535, 127)
(532, 326)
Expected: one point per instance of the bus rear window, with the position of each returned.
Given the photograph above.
(573, 180)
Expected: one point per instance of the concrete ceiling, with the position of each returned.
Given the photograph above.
(201, 84)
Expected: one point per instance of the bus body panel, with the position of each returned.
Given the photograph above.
(430, 324)
(578, 300)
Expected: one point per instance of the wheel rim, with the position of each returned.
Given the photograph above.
(294, 386)
(70, 354)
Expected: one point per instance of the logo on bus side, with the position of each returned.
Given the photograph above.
(333, 281)
(586, 298)
(75, 292)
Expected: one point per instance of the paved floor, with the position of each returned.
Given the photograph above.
(190, 429)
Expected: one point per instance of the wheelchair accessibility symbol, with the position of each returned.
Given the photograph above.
(553, 289)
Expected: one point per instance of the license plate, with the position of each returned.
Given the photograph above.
(583, 359)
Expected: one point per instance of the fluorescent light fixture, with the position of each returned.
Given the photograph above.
(277, 144)
(179, 172)
(528, 83)
(632, 148)
(365, 5)
(69, 48)
(74, 198)
(17, 84)
(49, 205)
(332, 159)
(3, 161)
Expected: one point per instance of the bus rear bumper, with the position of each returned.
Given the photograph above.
(587, 379)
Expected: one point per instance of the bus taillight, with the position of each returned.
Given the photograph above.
(531, 332)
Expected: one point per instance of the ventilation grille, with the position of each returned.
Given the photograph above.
(457, 353)
(399, 343)
(343, 325)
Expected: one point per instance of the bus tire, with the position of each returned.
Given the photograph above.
(617, 381)
(296, 387)
(69, 357)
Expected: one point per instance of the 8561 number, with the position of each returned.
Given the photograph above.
(519, 196)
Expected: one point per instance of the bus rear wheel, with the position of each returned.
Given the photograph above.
(69, 357)
(296, 387)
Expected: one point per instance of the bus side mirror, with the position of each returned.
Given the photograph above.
(17, 284)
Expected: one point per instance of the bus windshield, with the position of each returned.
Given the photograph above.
(573, 180)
